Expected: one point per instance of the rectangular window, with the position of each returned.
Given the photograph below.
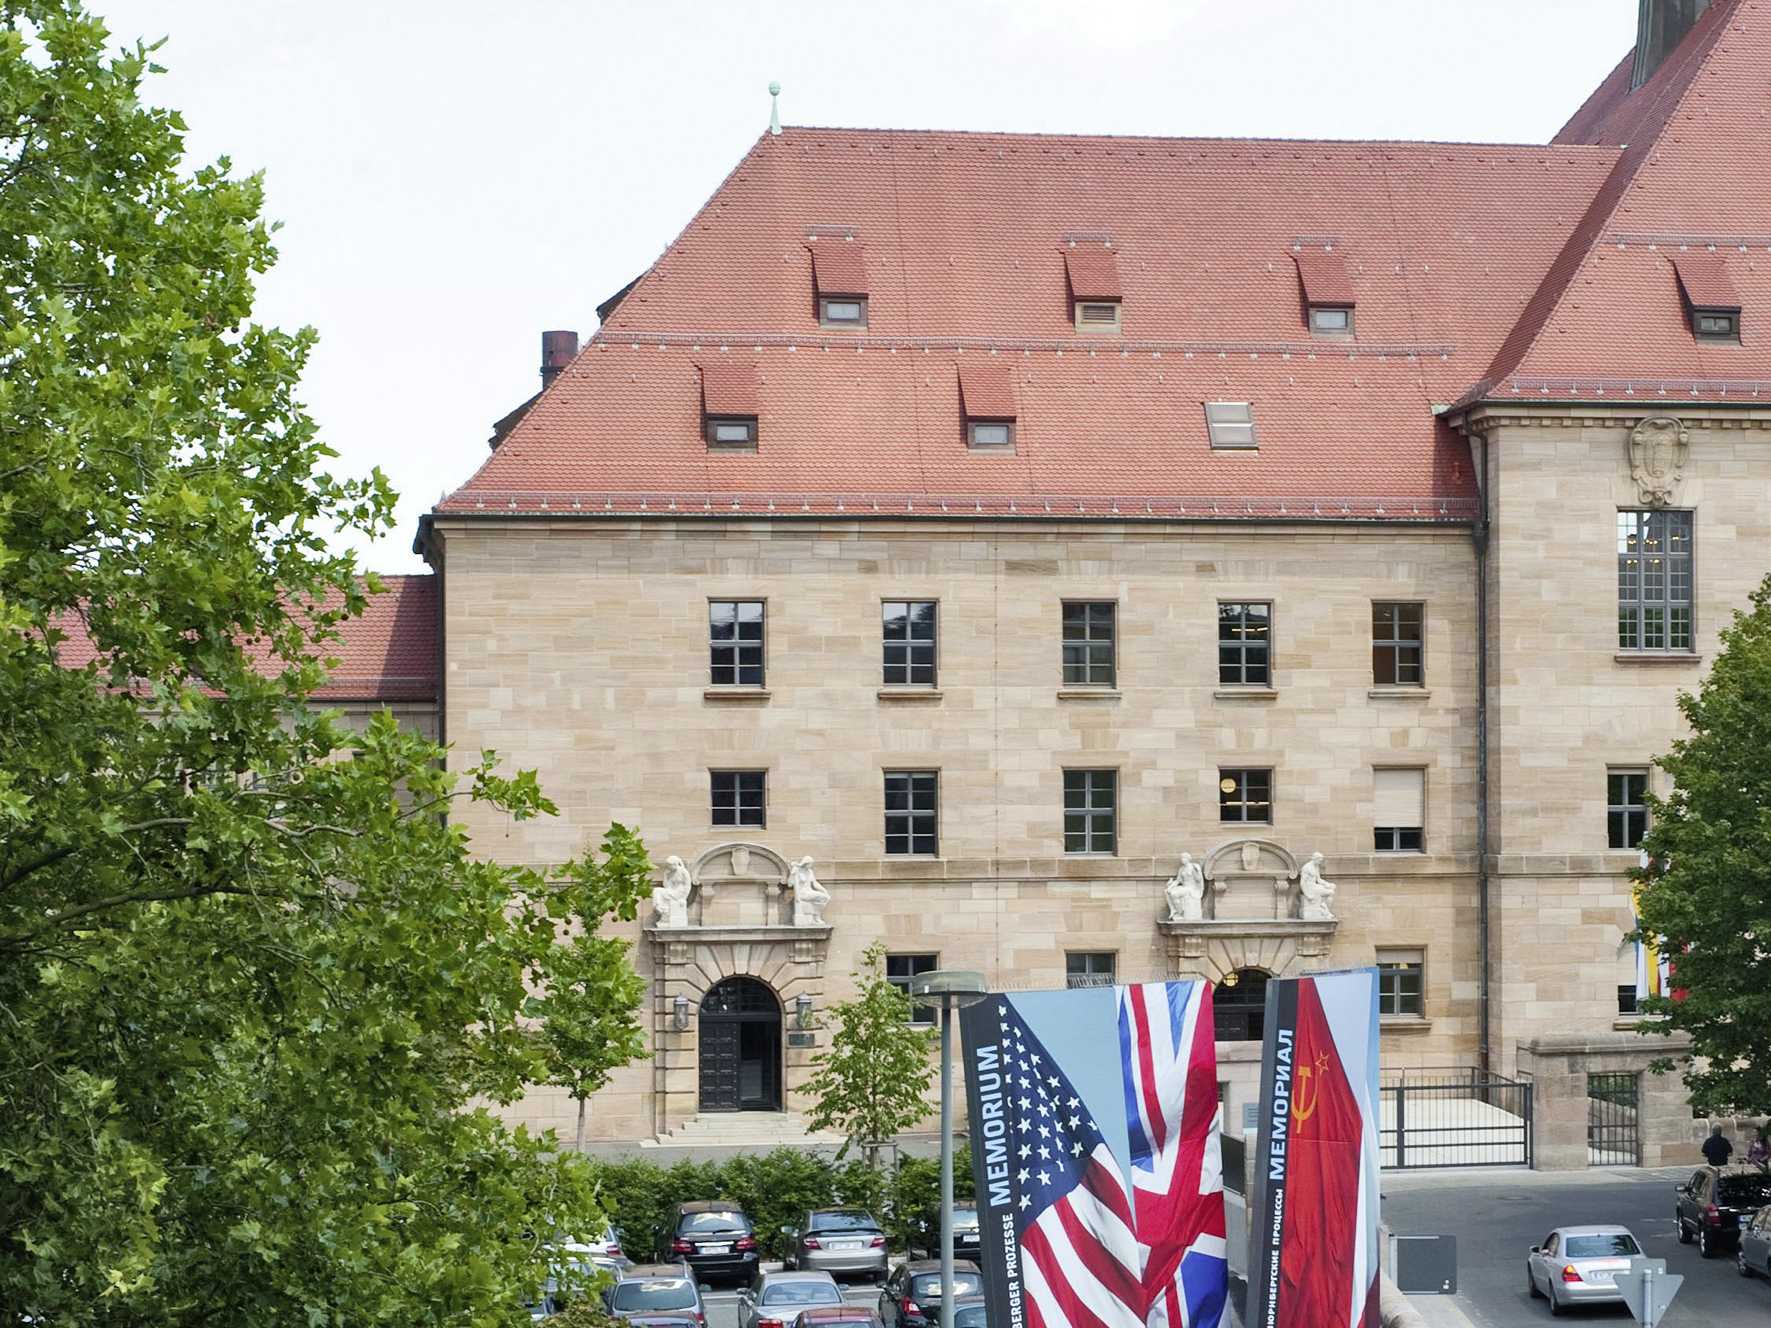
(1401, 983)
(901, 968)
(1654, 580)
(740, 797)
(1626, 807)
(1716, 324)
(1399, 813)
(1090, 968)
(909, 630)
(912, 808)
(1329, 320)
(732, 431)
(1397, 645)
(1091, 811)
(1097, 315)
(1089, 644)
(1626, 998)
(1245, 795)
(842, 312)
(1245, 645)
(1230, 424)
(735, 639)
(990, 433)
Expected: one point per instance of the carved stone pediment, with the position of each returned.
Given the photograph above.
(1658, 449)
(1249, 879)
(738, 885)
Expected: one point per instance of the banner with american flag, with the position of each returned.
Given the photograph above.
(1094, 1132)
(1313, 1210)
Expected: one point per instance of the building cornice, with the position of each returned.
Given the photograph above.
(1485, 417)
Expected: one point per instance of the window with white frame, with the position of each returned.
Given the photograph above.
(1398, 814)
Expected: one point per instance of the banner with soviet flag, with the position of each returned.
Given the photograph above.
(1313, 1209)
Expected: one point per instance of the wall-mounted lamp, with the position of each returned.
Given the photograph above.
(679, 1014)
(802, 1010)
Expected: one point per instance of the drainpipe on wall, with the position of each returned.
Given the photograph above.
(1479, 537)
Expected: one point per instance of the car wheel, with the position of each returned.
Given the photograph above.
(1531, 1283)
(1555, 1305)
(1706, 1244)
(1684, 1231)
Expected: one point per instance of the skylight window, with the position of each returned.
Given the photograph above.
(1230, 425)
(1330, 320)
(731, 431)
(843, 312)
(990, 433)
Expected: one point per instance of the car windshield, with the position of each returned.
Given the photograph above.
(969, 1316)
(1613, 1245)
(802, 1293)
(1745, 1191)
(654, 1293)
(965, 1217)
(843, 1222)
(703, 1222)
(928, 1286)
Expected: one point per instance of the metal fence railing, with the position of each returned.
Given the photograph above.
(1453, 1117)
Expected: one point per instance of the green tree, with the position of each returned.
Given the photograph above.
(1707, 895)
(873, 1080)
(250, 992)
(588, 1012)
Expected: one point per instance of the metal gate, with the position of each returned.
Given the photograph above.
(1612, 1138)
(1454, 1118)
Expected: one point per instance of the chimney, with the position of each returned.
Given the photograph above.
(558, 349)
(1660, 26)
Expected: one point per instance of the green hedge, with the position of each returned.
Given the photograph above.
(776, 1189)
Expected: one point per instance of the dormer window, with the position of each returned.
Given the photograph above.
(1230, 425)
(987, 404)
(728, 406)
(1711, 301)
(839, 276)
(1327, 293)
(1092, 267)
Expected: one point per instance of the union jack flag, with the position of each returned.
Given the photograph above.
(1074, 1235)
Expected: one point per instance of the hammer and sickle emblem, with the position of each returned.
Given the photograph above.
(1300, 1112)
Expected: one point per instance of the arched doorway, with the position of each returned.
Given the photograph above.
(1239, 1006)
(740, 1047)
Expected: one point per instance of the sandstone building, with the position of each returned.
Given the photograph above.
(993, 518)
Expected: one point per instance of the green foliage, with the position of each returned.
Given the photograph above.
(583, 1313)
(776, 1189)
(873, 1080)
(1708, 892)
(250, 993)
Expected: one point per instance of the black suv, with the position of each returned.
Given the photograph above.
(714, 1238)
(1716, 1203)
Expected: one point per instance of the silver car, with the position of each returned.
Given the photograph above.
(838, 1240)
(774, 1300)
(1752, 1256)
(1578, 1265)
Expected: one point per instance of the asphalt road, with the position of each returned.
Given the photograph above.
(1496, 1216)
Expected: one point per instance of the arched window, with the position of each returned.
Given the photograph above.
(1239, 1005)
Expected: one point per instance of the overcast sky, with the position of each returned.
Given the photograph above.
(454, 177)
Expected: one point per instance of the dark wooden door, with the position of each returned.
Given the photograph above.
(719, 1064)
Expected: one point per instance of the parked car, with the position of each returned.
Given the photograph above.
(714, 1238)
(838, 1240)
(1578, 1265)
(1752, 1256)
(836, 1316)
(775, 1300)
(911, 1297)
(967, 1243)
(1712, 1206)
(970, 1312)
(664, 1294)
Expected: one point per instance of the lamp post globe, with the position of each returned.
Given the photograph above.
(951, 989)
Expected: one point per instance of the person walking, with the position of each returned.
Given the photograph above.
(1717, 1149)
(1760, 1153)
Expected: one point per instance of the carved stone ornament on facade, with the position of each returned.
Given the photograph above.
(809, 896)
(670, 898)
(1314, 893)
(1185, 892)
(1658, 449)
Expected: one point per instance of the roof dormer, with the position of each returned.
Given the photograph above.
(728, 406)
(987, 403)
(1711, 301)
(1327, 291)
(1095, 293)
(839, 280)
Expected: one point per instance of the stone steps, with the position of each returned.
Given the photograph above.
(749, 1129)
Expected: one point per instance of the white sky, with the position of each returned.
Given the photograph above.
(454, 177)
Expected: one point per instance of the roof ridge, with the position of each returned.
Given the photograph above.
(1682, 69)
(883, 131)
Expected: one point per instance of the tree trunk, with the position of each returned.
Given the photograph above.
(578, 1143)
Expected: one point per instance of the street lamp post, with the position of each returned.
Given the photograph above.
(951, 989)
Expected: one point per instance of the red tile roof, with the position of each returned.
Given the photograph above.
(1323, 273)
(839, 267)
(1093, 271)
(728, 389)
(1705, 281)
(388, 654)
(986, 391)
(1503, 267)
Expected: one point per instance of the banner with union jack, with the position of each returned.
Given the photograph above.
(1095, 1148)
(1314, 1202)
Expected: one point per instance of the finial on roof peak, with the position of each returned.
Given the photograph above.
(774, 108)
